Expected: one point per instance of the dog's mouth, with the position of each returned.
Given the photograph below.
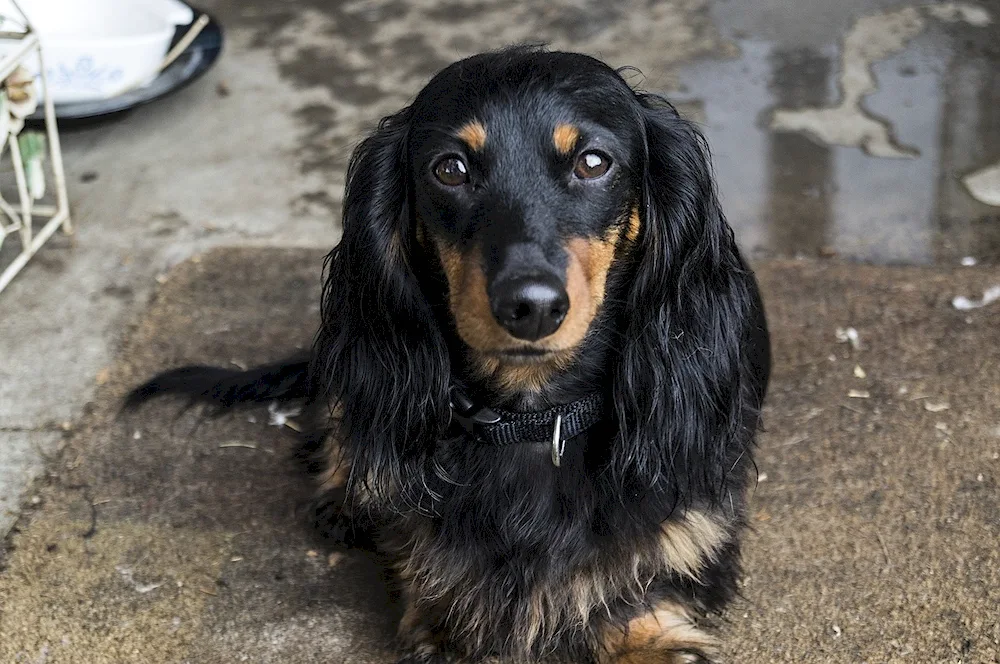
(526, 355)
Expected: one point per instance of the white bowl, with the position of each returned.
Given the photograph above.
(95, 49)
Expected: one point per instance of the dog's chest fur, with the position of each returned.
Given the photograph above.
(524, 558)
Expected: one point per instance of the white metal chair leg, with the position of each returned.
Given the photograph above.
(55, 150)
(58, 215)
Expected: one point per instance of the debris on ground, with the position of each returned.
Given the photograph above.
(103, 375)
(848, 335)
(984, 185)
(129, 578)
(238, 443)
(279, 414)
(990, 295)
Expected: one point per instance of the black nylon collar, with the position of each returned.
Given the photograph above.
(501, 427)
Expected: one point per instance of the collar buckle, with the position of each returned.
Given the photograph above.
(467, 412)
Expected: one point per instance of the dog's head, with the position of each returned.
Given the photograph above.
(528, 211)
(526, 178)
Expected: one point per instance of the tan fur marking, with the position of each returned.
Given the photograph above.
(409, 623)
(634, 226)
(420, 231)
(596, 257)
(564, 137)
(660, 636)
(517, 378)
(469, 302)
(413, 634)
(473, 134)
(338, 465)
(690, 542)
(396, 253)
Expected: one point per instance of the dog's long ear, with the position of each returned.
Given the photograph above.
(680, 392)
(379, 358)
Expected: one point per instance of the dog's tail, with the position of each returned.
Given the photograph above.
(288, 380)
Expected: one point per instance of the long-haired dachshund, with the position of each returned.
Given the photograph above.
(540, 368)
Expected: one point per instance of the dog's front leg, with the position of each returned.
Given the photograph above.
(335, 514)
(334, 521)
(425, 658)
(417, 636)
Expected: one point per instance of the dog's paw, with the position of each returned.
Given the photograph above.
(337, 528)
(664, 657)
(425, 658)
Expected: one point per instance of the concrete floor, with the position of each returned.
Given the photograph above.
(857, 130)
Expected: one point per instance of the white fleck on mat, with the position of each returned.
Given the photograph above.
(990, 296)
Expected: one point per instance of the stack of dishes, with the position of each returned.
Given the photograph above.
(105, 56)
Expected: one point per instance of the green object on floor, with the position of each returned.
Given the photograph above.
(32, 145)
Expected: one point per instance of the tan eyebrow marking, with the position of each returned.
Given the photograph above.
(634, 226)
(565, 137)
(474, 135)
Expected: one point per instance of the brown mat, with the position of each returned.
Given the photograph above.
(172, 537)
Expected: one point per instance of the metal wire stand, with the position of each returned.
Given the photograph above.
(18, 219)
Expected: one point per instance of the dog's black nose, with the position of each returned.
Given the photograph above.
(531, 307)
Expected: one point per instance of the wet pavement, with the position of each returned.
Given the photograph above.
(842, 132)
(866, 130)
(779, 115)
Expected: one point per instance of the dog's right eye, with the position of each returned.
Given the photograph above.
(592, 165)
(451, 171)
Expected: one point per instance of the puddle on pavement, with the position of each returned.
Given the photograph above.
(928, 81)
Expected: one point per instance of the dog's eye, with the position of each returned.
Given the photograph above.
(451, 171)
(590, 165)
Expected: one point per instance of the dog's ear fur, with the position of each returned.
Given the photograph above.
(684, 419)
(379, 353)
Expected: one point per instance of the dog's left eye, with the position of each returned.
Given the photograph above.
(451, 171)
(592, 164)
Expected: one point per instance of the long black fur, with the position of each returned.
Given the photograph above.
(680, 348)
(379, 352)
(287, 380)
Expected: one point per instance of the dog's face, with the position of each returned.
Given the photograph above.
(526, 195)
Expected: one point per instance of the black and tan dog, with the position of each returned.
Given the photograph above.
(540, 368)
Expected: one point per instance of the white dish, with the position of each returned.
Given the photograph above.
(96, 49)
